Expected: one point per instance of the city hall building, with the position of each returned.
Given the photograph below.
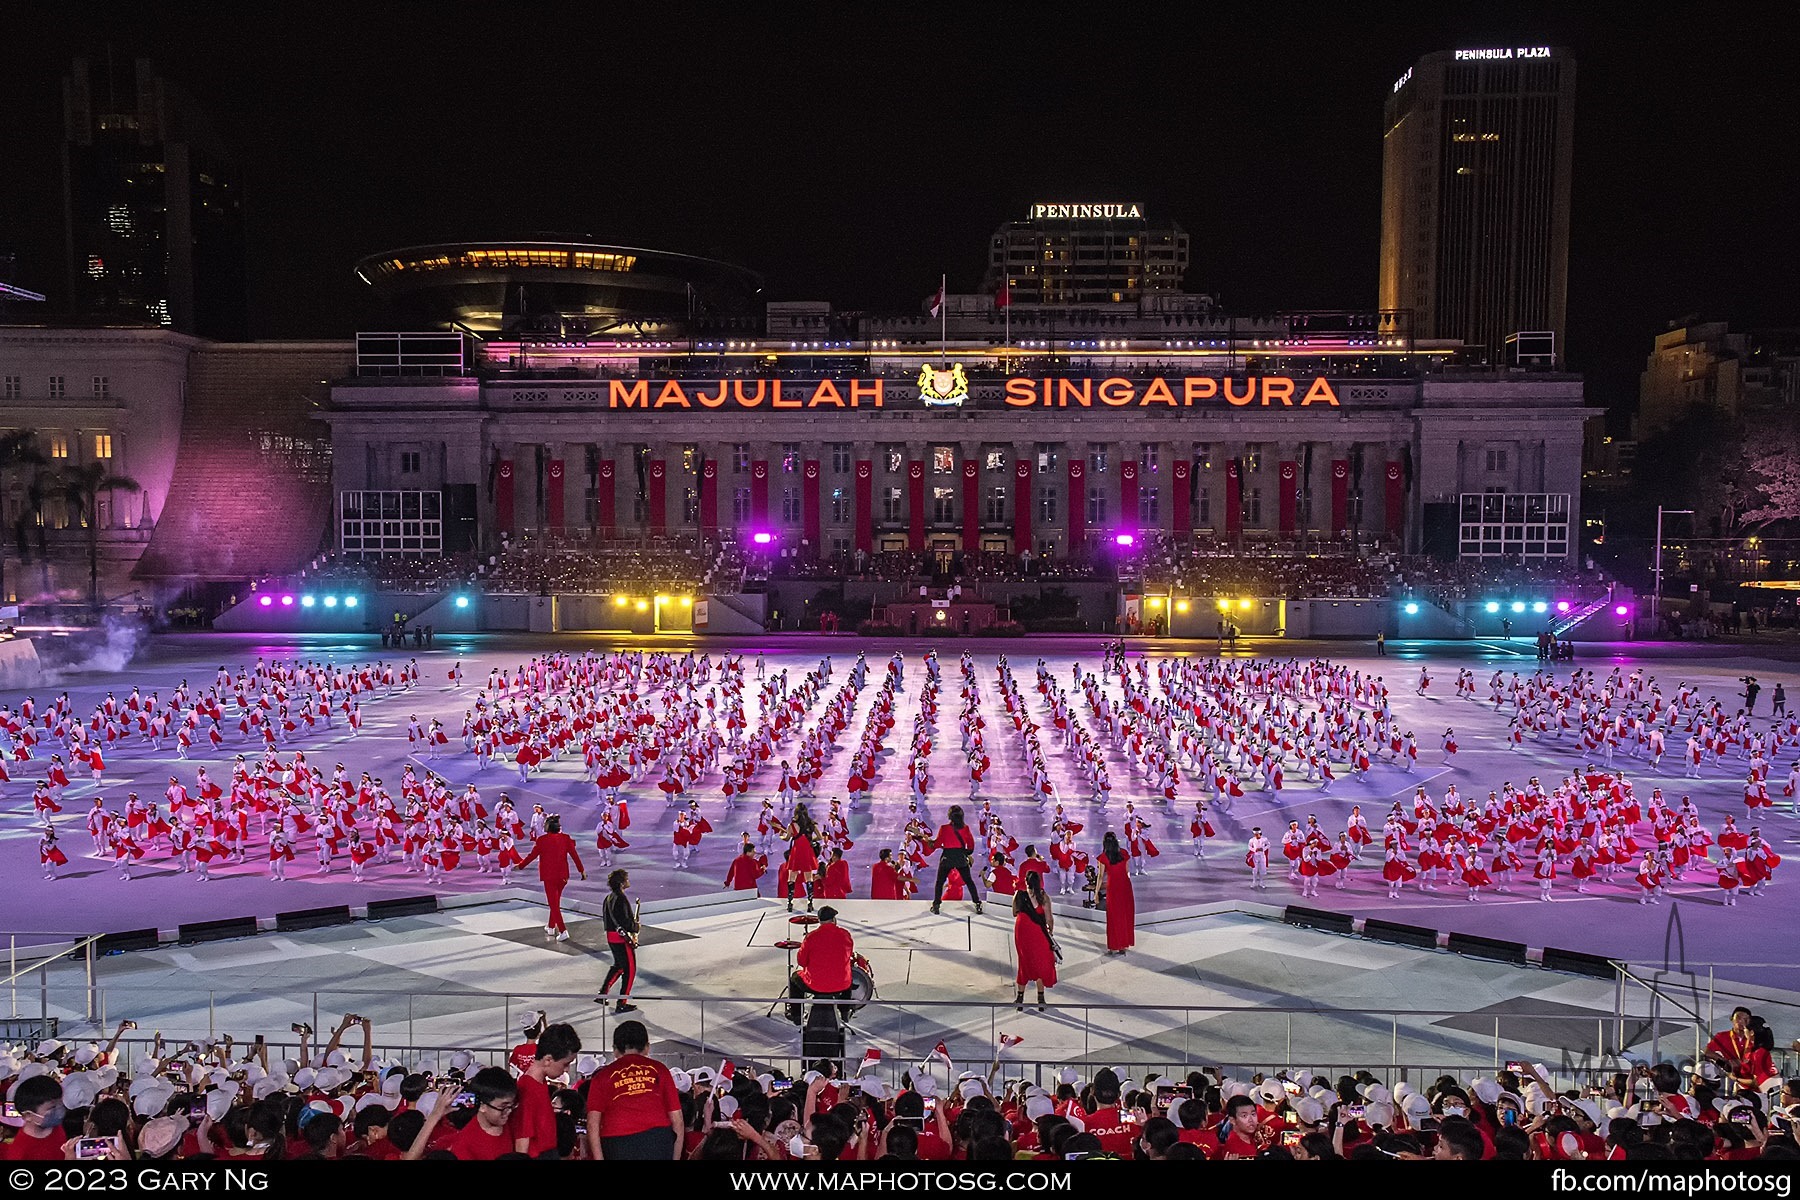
(579, 392)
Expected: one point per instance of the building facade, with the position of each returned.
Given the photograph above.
(1087, 253)
(1233, 432)
(1477, 153)
(153, 216)
(1704, 363)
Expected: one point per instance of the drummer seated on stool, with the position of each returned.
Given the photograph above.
(823, 964)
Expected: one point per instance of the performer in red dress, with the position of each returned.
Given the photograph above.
(1115, 891)
(803, 858)
(1032, 928)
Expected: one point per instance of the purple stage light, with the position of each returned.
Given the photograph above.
(1124, 539)
(762, 539)
(287, 602)
(1621, 610)
(266, 601)
(1562, 606)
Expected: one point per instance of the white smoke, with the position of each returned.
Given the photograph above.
(108, 649)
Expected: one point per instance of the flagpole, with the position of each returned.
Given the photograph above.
(944, 319)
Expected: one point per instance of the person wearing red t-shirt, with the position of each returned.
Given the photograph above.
(884, 878)
(40, 1137)
(1245, 1135)
(522, 1055)
(1108, 1122)
(533, 1124)
(955, 842)
(822, 964)
(554, 851)
(1736, 1050)
(746, 869)
(486, 1136)
(634, 1111)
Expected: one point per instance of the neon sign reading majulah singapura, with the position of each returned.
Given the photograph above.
(1021, 391)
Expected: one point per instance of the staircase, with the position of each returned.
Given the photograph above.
(251, 494)
(1575, 616)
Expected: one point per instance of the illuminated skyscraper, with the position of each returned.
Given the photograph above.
(1475, 197)
(152, 212)
(1087, 253)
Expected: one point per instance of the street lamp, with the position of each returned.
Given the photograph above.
(1656, 596)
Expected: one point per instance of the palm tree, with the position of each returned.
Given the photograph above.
(81, 488)
(18, 448)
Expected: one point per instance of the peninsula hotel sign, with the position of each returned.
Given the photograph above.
(1130, 211)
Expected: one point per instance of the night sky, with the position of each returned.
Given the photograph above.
(852, 157)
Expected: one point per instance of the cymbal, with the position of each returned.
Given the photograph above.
(787, 944)
(803, 919)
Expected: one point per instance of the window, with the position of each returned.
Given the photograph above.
(690, 505)
(409, 462)
(1203, 455)
(1096, 506)
(790, 457)
(1204, 503)
(840, 547)
(790, 506)
(896, 459)
(1149, 508)
(740, 506)
(57, 389)
(1253, 458)
(840, 457)
(1496, 460)
(102, 387)
(995, 458)
(59, 445)
(397, 522)
(103, 445)
(1097, 456)
(1147, 456)
(890, 504)
(640, 509)
(590, 498)
(13, 387)
(1255, 516)
(943, 460)
(689, 452)
(996, 505)
(1046, 456)
(840, 506)
(1047, 505)
(740, 458)
(943, 504)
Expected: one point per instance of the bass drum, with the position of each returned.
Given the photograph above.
(862, 984)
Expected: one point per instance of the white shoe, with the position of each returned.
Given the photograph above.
(563, 936)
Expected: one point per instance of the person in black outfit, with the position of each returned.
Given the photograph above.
(622, 937)
(1780, 699)
(956, 844)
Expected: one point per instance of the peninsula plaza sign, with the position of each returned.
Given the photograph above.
(1500, 52)
(1086, 212)
(1020, 391)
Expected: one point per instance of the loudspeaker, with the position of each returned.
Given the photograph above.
(459, 518)
(312, 918)
(1441, 532)
(1404, 935)
(215, 931)
(403, 906)
(127, 939)
(1576, 963)
(1490, 948)
(1318, 918)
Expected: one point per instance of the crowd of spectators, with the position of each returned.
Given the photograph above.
(559, 1098)
(537, 567)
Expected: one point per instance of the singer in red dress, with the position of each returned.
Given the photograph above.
(1116, 894)
(1032, 926)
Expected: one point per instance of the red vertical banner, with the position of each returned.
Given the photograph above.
(659, 512)
(759, 496)
(1234, 499)
(1022, 506)
(1077, 504)
(971, 505)
(1290, 491)
(1396, 500)
(809, 507)
(1183, 501)
(915, 506)
(709, 499)
(603, 501)
(503, 496)
(865, 505)
(553, 498)
(1128, 495)
(1340, 495)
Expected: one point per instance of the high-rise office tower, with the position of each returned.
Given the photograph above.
(1475, 170)
(153, 217)
(1087, 253)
